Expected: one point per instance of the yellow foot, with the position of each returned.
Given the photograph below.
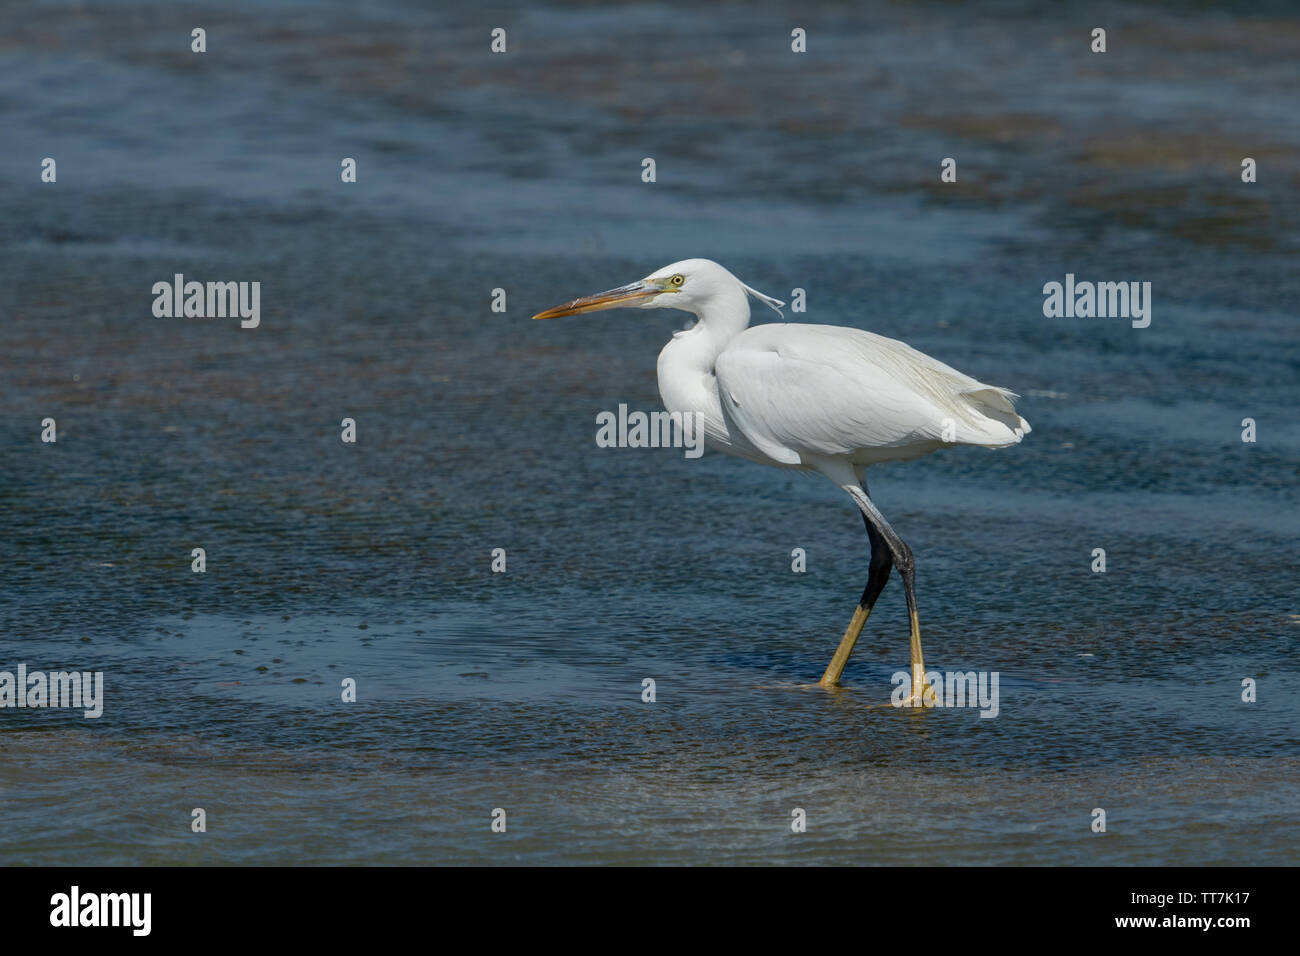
(925, 698)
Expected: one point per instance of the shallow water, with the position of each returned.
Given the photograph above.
(476, 431)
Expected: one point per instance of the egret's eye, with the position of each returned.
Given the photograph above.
(678, 279)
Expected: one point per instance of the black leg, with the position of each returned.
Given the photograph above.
(907, 569)
(882, 561)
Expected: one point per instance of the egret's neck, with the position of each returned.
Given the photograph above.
(688, 363)
(722, 316)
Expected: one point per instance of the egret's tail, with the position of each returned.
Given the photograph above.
(993, 421)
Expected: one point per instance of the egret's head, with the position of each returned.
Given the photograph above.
(687, 285)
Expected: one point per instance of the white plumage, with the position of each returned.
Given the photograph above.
(793, 390)
(805, 395)
(818, 397)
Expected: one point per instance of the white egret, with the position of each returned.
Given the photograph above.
(820, 398)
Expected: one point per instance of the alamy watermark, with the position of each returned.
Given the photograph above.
(84, 689)
(211, 300)
(1102, 300)
(75, 908)
(651, 430)
(954, 689)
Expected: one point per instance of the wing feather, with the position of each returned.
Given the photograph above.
(794, 389)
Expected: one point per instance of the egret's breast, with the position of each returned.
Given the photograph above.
(688, 385)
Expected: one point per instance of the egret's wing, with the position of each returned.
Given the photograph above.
(825, 390)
